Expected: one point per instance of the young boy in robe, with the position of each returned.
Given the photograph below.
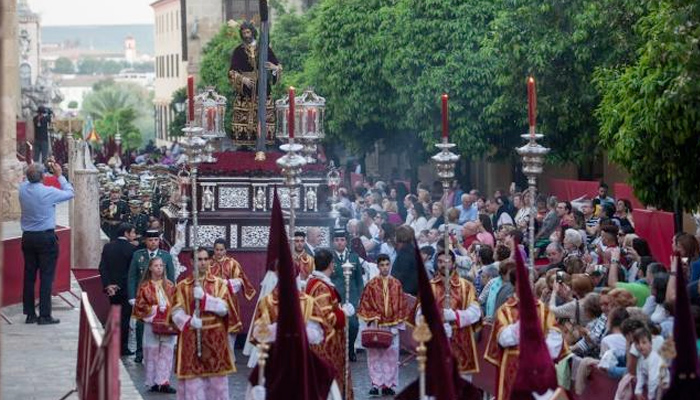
(383, 306)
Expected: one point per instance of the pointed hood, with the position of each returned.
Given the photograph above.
(293, 371)
(535, 368)
(685, 374)
(441, 364)
(273, 244)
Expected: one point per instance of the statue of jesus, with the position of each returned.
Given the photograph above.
(244, 76)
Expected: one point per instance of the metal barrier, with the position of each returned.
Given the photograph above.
(97, 371)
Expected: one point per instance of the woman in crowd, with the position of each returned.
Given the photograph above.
(392, 215)
(436, 216)
(623, 212)
(418, 220)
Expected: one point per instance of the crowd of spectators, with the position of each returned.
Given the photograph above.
(613, 301)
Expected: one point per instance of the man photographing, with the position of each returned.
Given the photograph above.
(39, 241)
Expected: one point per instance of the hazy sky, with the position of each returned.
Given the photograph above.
(93, 12)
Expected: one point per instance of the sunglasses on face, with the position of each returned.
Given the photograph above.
(202, 259)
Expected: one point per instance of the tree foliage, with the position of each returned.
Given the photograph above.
(383, 64)
(122, 121)
(127, 103)
(63, 65)
(180, 119)
(650, 111)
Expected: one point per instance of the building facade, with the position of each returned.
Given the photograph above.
(171, 68)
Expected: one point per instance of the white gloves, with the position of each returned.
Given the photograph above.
(448, 330)
(314, 333)
(132, 302)
(162, 308)
(449, 315)
(273, 333)
(394, 331)
(195, 322)
(216, 306)
(348, 309)
(236, 284)
(198, 293)
(258, 392)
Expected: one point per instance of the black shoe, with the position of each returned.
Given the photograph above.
(127, 352)
(31, 319)
(374, 392)
(167, 389)
(138, 359)
(48, 320)
(388, 392)
(353, 357)
(154, 388)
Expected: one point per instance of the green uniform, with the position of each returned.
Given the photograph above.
(356, 286)
(139, 265)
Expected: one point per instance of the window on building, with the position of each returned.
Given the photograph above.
(177, 65)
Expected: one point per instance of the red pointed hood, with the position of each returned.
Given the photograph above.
(685, 374)
(535, 368)
(442, 377)
(293, 371)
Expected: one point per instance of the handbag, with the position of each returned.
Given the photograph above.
(162, 326)
(373, 338)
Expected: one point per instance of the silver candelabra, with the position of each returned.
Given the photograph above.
(445, 162)
(291, 165)
(533, 155)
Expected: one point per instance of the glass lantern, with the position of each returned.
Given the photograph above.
(309, 114)
(209, 113)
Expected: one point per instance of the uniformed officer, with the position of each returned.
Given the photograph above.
(137, 217)
(113, 211)
(139, 264)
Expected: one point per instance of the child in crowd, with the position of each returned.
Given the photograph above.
(652, 373)
(153, 303)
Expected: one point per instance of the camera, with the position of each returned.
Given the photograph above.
(560, 276)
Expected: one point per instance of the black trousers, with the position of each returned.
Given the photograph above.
(120, 298)
(40, 251)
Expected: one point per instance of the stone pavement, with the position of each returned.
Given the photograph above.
(38, 362)
(239, 381)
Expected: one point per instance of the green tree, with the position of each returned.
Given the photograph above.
(180, 119)
(216, 60)
(436, 51)
(560, 43)
(112, 98)
(73, 105)
(650, 111)
(106, 105)
(346, 65)
(88, 66)
(122, 121)
(110, 67)
(64, 66)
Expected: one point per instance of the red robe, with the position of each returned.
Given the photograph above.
(304, 264)
(332, 349)
(268, 308)
(217, 358)
(506, 359)
(383, 301)
(228, 268)
(147, 297)
(462, 342)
